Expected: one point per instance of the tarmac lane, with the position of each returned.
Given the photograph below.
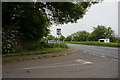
(87, 62)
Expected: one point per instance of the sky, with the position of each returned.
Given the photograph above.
(105, 13)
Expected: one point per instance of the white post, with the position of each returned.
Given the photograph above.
(59, 41)
(59, 33)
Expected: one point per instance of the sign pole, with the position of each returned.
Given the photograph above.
(59, 33)
(59, 41)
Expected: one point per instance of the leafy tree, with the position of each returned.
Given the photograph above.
(68, 38)
(26, 19)
(118, 40)
(81, 36)
(62, 38)
(33, 19)
(100, 32)
(31, 23)
(50, 37)
(56, 38)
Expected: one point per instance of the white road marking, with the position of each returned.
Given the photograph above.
(87, 62)
(55, 66)
(83, 61)
(102, 56)
(52, 66)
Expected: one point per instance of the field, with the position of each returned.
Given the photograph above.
(96, 43)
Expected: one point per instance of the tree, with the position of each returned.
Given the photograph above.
(50, 37)
(100, 32)
(33, 19)
(26, 19)
(62, 38)
(30, 24)
(81, 36)
(68, 38)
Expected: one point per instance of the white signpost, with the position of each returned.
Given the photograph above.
(59, 33)
(51, 41)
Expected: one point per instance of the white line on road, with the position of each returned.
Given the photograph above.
(83, 61)
(78, 60)
(52, 66)
(102, 56)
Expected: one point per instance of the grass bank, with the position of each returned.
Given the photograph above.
(95, 43)
(38, 51)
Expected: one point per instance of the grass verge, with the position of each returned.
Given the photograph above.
(95, 43)
(43, 51)
(39, 57)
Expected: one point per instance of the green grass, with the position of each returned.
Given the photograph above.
(95, 43)
(43, 51)
(38, 50)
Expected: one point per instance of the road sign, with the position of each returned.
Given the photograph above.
(58, 31)
(51, 41)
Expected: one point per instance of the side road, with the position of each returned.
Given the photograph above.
(39, 56)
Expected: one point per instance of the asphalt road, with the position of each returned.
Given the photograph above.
(87, 62)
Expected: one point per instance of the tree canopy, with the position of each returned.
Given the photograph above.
(50, 37)
(31, 20)
(62, 38)
(81, 36)
(100, 32)
(34, 19)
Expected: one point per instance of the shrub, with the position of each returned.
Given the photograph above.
(62, 45)
(10, 41)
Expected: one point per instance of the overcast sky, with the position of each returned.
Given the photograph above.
(105, 13)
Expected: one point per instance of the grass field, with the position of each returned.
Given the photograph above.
(95, 43)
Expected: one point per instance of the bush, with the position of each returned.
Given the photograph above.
(10, 41)
(61, 45)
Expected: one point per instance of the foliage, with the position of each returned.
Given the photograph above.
(50, 37)
(43, 51)
(41, 48)
(10, 41)
(56, 38)
(62, 38)
(68, 38)
(81, 36)
(33, 20)
(118, 39)
(101, 32)
(62, 45)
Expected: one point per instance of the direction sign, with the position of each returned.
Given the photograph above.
(58, 31)
(51, 41)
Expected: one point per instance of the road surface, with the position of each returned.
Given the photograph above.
(87, 62)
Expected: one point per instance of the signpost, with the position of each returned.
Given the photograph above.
(59, 33)
(51, 41)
